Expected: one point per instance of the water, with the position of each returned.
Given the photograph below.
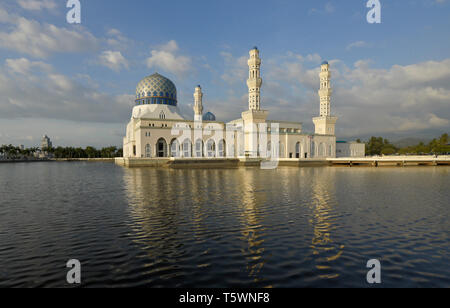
(291, 227)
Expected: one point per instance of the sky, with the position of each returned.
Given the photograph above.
(76, 82)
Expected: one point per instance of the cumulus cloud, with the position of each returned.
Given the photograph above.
(397, 101)
(26, 92)
(401, 99)
(236, 68)
(113, 60)
(25, 66)
(116, 40)
(37, 5)
(165, 57)
(40, 40)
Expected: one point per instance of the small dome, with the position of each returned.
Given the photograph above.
(156, 89)
(325, 63)
(209, 116)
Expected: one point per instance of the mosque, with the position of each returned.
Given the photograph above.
(158, 130)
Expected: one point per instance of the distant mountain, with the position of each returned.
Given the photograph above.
(408, 142)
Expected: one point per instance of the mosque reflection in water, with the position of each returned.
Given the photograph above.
(201, 227)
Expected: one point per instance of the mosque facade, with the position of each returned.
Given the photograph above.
(158, 130)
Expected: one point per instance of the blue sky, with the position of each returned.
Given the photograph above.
(76, 82)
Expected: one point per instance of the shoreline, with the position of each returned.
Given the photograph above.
(226, 163)
(193, 163)
(48, 160)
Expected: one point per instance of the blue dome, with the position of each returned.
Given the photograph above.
(156, 89)
(209, 116)
(324, 62)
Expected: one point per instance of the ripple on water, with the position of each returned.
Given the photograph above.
(314, 227)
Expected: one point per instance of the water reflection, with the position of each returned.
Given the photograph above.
(326, 251)
(185, 214)
(224, 228)
(252, 230)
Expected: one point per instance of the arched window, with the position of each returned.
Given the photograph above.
(297, 150)
(187, 148)
(269, 149)
(313, 149)
(222, 148)
(162, 116)
(174, 148)
(148, 151)
(199, 148)
(211, 148)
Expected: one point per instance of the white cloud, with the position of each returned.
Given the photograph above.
(358, 44)
(236, 69)
(113, 60)
(116, 40)
(399, 100)
(37, 5)
(25, 66)
(28, 91)
(40, 40)
(327, 9)
(166, 57)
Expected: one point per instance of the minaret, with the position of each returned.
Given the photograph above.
(254, 81)
(198, 105)
(325, 90)
(325, 124)
(254, 118)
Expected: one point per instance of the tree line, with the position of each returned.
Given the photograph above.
(381, 146)
(11, 151)
(15, 152)
(88, 152)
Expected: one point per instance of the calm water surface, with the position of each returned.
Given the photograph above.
(291, 227)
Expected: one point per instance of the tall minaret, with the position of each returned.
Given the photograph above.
(198, 105)
(254, 118)
(254, 81)
(325, 90)
(325, 124)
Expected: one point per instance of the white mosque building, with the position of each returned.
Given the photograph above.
(158, 130)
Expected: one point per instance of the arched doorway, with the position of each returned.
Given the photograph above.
(269, 150)
(321, 150)
(161, 148)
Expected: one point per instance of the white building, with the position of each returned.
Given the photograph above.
(46, 143)
(350, 149)
(157, 129)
